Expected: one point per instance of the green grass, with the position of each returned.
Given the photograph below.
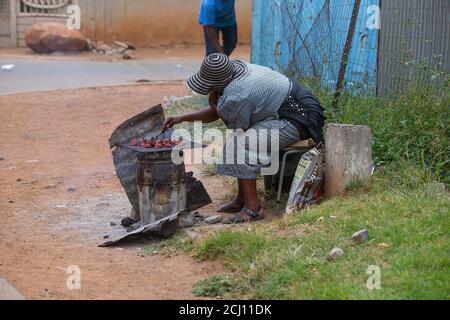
(179, 243)
(408, 228)
(408, 127)
(287, 259)
(209, 170)
(218, 286)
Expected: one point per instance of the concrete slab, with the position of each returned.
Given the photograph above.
(8, 292)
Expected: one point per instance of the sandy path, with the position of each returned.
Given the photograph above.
(55, 141)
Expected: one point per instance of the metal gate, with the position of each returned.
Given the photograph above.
(5, 23)
(412, 33)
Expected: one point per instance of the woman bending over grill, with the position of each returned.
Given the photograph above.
(262, 103)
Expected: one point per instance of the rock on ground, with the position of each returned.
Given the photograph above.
(128, 55)
(90, 45)
(51, 37)
(103, 47)
(186, 220)
(120, 44)
(194, 235)
(213, 219)
(335, 254)
(360, 237)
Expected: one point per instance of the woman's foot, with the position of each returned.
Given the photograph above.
(127, 222)
(247, 215)
(233, 206)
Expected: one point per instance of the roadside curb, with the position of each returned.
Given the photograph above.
(8, 292)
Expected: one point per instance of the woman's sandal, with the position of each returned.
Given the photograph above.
(127, 222)
(229, 208)
(251, 216)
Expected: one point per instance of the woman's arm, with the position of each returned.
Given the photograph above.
(207, 115)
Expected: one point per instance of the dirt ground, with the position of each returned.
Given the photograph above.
(59, 195)
(187, 51)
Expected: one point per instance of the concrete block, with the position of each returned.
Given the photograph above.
(435, 188)
(348, 157)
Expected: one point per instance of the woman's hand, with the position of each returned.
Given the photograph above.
(171, 121)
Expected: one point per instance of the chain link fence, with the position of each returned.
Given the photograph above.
(355, 45)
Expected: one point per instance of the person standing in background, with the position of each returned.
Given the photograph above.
(219, 17)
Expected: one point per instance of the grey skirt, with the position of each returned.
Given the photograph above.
(249, 154)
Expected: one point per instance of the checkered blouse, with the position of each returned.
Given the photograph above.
(253, 97)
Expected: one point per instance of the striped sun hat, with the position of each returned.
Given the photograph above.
(216, 73)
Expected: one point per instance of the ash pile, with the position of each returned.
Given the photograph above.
(150, 167)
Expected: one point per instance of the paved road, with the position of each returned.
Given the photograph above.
(30, 75)
(8, 292)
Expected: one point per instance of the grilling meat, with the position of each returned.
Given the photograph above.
(154, 143)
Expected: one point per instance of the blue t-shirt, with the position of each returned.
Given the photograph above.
(217, 13)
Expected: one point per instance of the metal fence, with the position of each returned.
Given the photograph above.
(4, 5)
(43, 7)
(306, 38)
(340, 43)
(414, 42)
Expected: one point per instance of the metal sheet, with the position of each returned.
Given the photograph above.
(164, 227)
(420, 28)
(147, 124)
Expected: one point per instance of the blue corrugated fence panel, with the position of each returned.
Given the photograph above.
(304, 38)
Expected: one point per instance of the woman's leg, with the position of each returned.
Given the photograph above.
(248, 171)
(247, 194)
(253, 210)
(237, 203)
(250, 195)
